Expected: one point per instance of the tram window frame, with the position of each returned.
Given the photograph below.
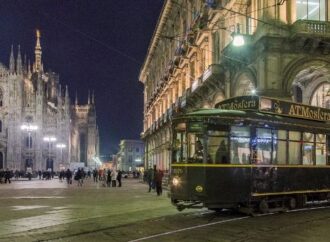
(235, 157)
(260, 145)
(192, 156)
(280, 142)
(308, 140)
(318, 143)
(295, 147)
(218, 152)
(179, 145)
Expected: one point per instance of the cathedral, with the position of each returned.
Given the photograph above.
(39, 127)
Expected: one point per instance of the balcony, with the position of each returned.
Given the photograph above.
(311, 27)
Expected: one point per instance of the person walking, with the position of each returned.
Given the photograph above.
(7, 176)
(113, 177)
(108, 178)
(68, 175)
(159, 180)
(119, 175)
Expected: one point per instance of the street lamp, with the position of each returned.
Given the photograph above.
(238, 40)
(61, 146)
(29, 128)
(49, 139)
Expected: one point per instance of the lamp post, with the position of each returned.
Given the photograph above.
(29, 128)
(61, 146)
(49, 139)
(238, 40)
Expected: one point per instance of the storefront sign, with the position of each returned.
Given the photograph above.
(275, 106)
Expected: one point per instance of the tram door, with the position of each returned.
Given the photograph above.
(50, 164)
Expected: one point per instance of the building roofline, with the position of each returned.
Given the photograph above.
(155, 38)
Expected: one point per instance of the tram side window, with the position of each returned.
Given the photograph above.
(294, 147)
(217, 145)
(179, 148)
(320, 149)
(308, 149)
(195, 148)
(279, 146)
(240, 145)
(264, 146)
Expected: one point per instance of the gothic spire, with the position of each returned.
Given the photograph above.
(19, 66)
(66, 92)
(89, 98)
(59, 96)
(76, 101)
(12, 61)
(37, 51)
(93, 101)
(29, 69)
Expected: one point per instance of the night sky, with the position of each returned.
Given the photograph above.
(93, 44)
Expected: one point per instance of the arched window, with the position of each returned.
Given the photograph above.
(0, 126)
(297, 93)
(321, 96)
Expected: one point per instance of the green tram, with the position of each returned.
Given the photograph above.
(255, 154)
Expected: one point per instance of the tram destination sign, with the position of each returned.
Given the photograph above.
(275, 106)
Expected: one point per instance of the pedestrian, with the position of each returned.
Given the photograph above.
(119, 175)
(7, 176)
(79, 177)
(68, 175)
(95, 175)
(39, 174)
(113, 177)
(108, 178)
(159, 182)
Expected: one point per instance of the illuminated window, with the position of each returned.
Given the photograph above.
(311, 9)
(264, 146)
(240, 145)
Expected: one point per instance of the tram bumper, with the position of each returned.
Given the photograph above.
(185, 194)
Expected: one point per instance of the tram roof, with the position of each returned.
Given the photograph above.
(205, 113)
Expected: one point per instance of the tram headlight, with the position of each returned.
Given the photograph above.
(175, 181)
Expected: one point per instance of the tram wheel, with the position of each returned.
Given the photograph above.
(292, 203)
(263, 206)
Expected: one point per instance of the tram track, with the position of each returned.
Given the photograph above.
(189, 221)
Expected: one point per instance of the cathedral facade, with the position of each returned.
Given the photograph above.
(39, 128)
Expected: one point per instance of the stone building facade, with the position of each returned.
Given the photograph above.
(131, 155)
(192, 62)
(39, 128)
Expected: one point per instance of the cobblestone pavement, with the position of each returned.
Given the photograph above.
(41, 210)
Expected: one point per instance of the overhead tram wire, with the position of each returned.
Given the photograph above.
(88, 36)
(281, 2)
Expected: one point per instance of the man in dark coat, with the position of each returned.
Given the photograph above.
(159, 180)
(119, 175)
(7, 175)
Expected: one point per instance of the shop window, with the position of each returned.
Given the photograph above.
(308, 149)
